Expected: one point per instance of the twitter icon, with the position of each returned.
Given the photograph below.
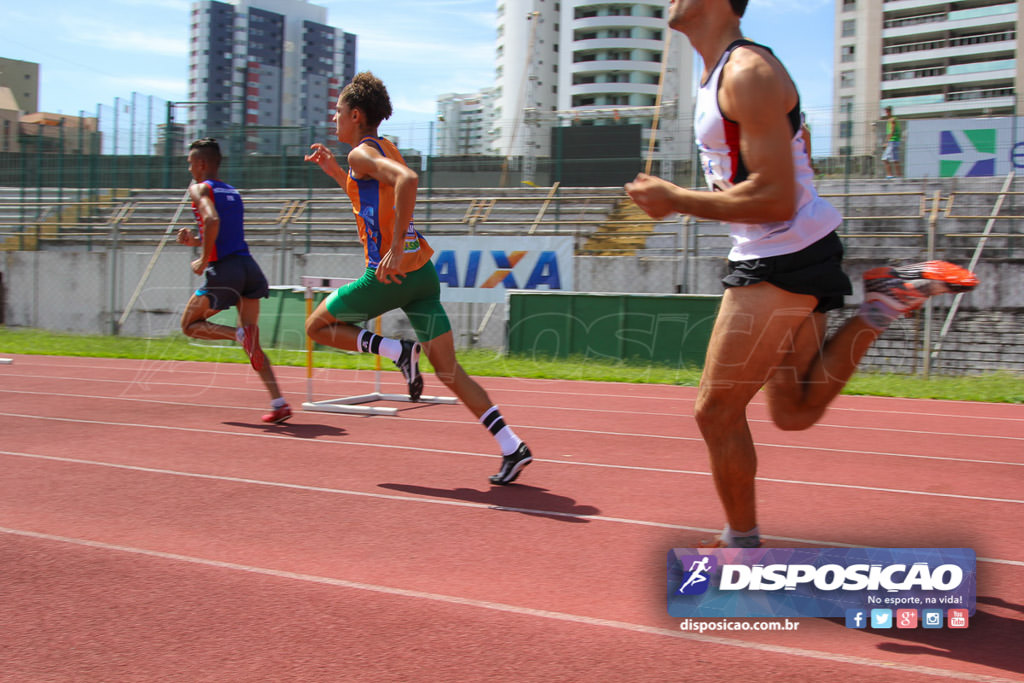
(881, 618)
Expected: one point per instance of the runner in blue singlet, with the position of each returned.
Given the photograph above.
(232, 276)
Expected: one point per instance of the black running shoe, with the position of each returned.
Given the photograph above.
(409, 364)
(512, 465)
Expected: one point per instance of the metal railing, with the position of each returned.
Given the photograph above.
(893, 223)
(300, 222)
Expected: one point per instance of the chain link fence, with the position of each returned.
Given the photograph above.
(81, 192)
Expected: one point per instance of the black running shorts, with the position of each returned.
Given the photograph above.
(815, 270)
(231, 278)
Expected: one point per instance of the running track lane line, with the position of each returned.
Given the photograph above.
(684, 399)
(544, 428)
(563, 429)
(513, 609)
(570, 463)
(432, 501)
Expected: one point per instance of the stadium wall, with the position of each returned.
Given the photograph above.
(85, 292)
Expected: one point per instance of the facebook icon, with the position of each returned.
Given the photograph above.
(856, 618)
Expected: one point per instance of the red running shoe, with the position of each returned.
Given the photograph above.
(904, 289)
(279, 415)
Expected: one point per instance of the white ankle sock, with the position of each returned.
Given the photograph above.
(741, 539)
(495, 423)
(374, 343)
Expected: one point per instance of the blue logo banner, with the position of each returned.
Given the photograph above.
(818, 582)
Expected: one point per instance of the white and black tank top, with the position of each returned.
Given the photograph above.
(718, 139)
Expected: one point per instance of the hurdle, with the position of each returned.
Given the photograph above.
(6, 361)
(351, 405)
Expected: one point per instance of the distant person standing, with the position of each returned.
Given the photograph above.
(805, 134)
(893, 140)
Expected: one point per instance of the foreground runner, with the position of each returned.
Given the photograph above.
(785, 261)
(399, 273)
(233, 277)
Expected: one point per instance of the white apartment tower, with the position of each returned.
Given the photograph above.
(467, 124)
(266, 64)
(588, 62)
(925, 59)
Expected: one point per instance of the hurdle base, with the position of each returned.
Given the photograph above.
(6, 361)
(352, 405)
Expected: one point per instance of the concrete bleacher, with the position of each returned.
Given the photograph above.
(30, 217)
(497, 211)
(891, 219)
(324, 219)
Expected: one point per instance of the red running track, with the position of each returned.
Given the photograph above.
(152, 529)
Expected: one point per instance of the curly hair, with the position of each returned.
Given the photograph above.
(367, 93)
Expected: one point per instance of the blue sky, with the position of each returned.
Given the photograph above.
(91, 53)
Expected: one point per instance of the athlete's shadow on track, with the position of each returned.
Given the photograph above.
(295, 429)
(527, 500)
(989, 639)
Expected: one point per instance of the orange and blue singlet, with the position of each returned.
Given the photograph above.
(373, 203)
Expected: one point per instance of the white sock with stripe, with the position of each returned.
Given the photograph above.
(382, 346)
(495, 424)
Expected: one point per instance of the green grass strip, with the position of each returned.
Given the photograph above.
(994, 387)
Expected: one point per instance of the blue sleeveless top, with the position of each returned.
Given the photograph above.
(231, 236)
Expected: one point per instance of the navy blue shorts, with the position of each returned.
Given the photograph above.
(816, 270)
(231, 278)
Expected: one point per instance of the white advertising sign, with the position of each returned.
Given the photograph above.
(963, 148)
(483, 269)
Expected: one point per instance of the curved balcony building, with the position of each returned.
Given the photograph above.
(582, 62)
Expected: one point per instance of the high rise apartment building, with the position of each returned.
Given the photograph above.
(466, 123)
(925, 59)
(579, 62)
(266, 64)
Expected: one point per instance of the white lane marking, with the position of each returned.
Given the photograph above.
(514, 609)
(415, 499)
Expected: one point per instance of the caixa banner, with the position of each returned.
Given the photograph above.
(483, 269)
(817, 582)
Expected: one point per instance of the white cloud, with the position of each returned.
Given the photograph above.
(181, 5)
(796, 6)
(166, 88)
(122, 38)
(425, 106)
(426, 57)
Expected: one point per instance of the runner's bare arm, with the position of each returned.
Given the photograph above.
(757, 94)
(202, 197)
(325, 159)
